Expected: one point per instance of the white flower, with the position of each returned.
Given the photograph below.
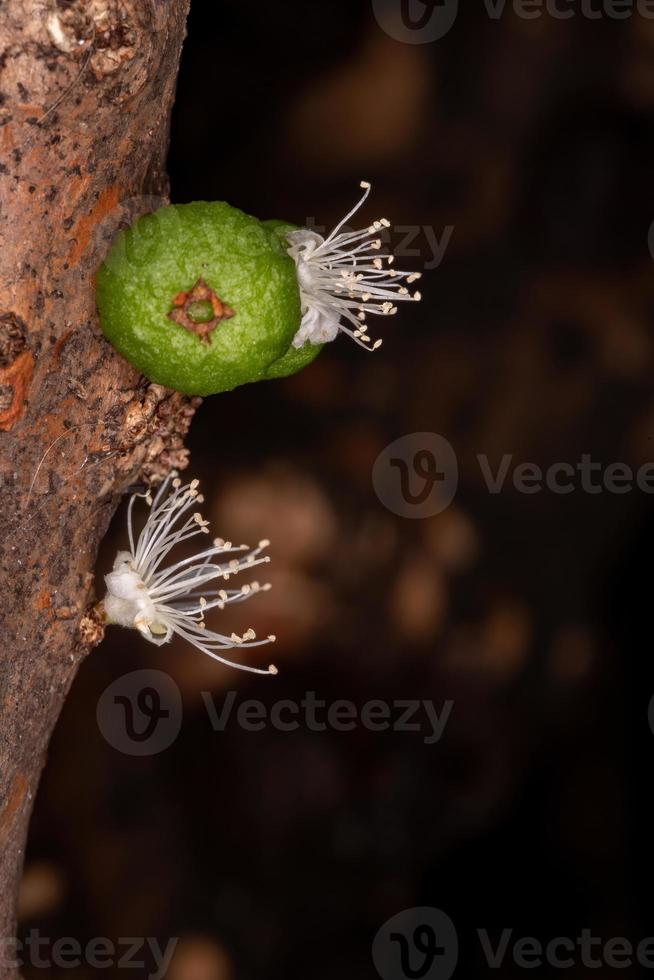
(342, 278)
(160, 601)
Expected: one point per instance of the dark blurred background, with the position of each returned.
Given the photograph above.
(279, 855)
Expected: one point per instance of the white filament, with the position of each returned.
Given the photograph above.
(343, 278)
(160, 601)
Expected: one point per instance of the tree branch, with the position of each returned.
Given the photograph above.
(86, 88)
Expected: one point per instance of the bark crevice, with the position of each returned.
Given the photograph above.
(86, 90)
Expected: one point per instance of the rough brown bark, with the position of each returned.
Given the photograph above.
(86, 88)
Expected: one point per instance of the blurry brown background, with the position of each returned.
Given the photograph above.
(279, 855)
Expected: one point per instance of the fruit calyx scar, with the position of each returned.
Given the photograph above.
(200, 311)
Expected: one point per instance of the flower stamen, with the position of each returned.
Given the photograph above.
(345, 259)
(161, 602)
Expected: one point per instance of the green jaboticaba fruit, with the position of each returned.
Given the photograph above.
(201, 297)
(294, 359)
(151, 273)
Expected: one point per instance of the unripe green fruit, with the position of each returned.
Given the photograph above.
(226, 276)
(294, 360)
(202, 298)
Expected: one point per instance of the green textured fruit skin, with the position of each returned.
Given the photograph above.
(293, 360)
(164, 254)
